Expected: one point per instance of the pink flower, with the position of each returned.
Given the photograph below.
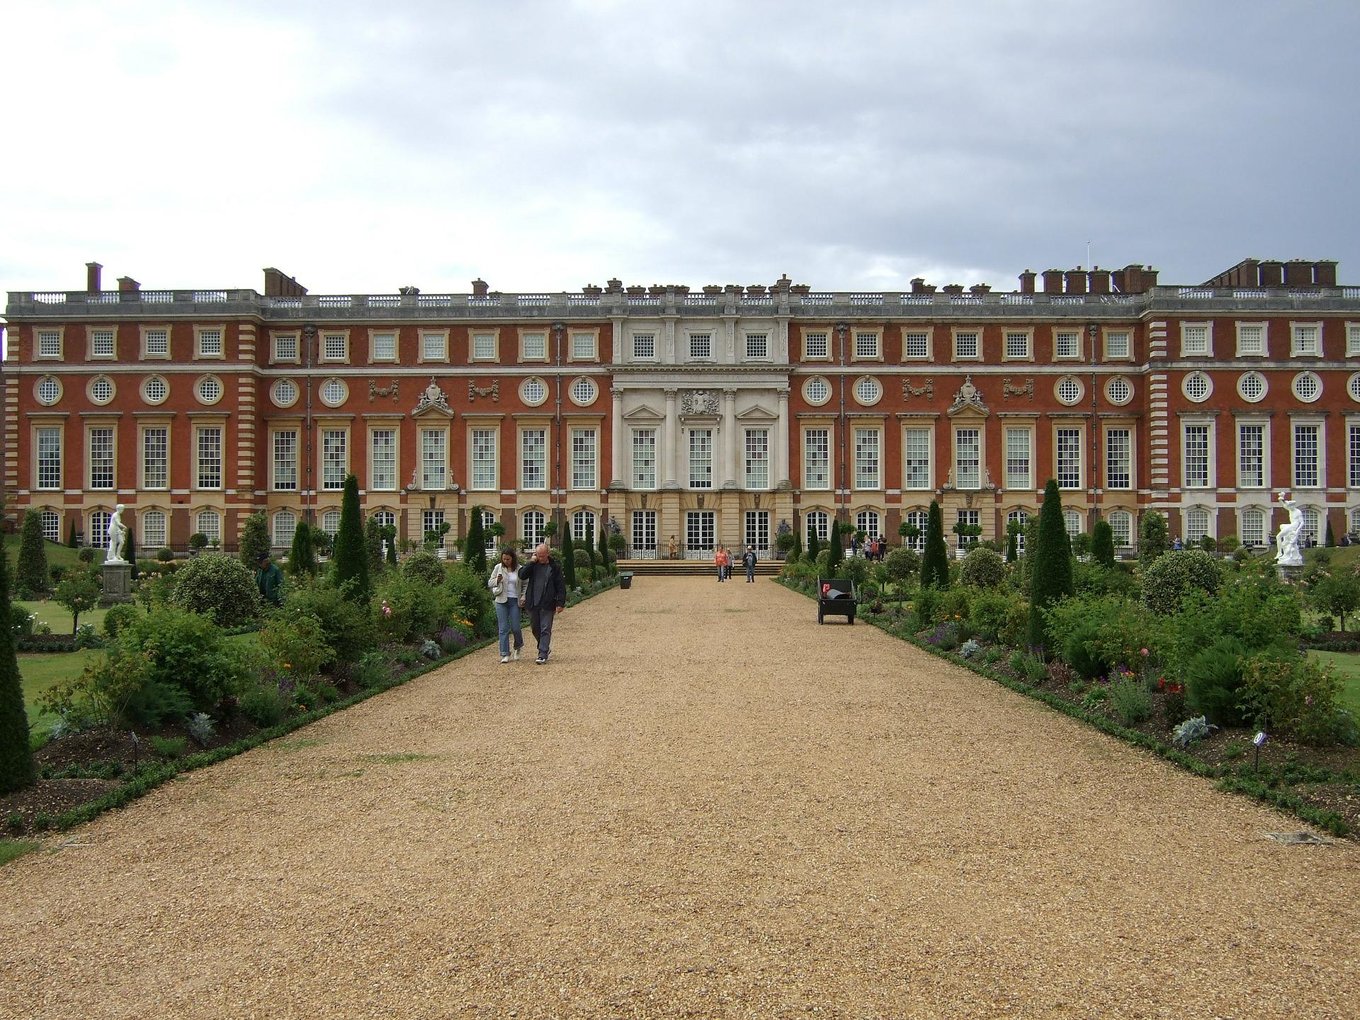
(1143, 652)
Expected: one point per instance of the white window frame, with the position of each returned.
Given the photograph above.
(284, 448)
(1248, 349)
(693, 342)
(205, 347)
(384, 472)
(484, 345)
(922, 340)
(1318, 429)
(962, 338)
(434, 346)
(642, 449)
(1024, 349)
(968, 473)
(760, 352)
(867, 451)
(1191, 348)
(866, 345)
(433, 445)
(1014, 478)
(756, 458)
(49, 344)
(701, 458)
(203, 463)
(483, 458)
(382, 336)
(818, 482)
(1078, 340)
(1264, 453)
(641, 352)
(1111, 352)
(584, 452)
(1060, 432)
(154, 528)
(159, 481)
(1209, 479)
(334, 452)
(912, 436)
(102, 343)
(533, 345)
(533, 456)
(815, 340)
(101, 454)
(1115, 473)
(148, 354)
(334, 347)
(583, 345)
(1305, 339)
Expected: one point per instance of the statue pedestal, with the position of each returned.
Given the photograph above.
(117, 583)
(1289, 572)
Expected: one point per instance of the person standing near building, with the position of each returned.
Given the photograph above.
(269, 579)
(720, 561)
(504, 585)
(543, 594)
(748, 560)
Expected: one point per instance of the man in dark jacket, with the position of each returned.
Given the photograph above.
(544, 592)
(269, 579)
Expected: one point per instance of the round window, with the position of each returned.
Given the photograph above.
(1307, 387)
(816, 390)
(1353, 387)
(333, 392)
(285, 393)
(48, 390)
(533, 391)
(1118, 390)
(155, 390)
(209, 389)
(1197, 386)
(1068, 390)
(1251, 386)
(583, 392)
(867, 391)
(101, 390)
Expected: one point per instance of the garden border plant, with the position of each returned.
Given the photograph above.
(1259, 784)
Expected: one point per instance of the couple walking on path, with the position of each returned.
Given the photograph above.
(537, 589)
(722, 559)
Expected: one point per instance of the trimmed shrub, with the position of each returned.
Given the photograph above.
(118, 616)
(254, 539)
(474, 546)
(217, 586)
(425, 566)
(347, 627)
(1213, 681)
(1152, 537)
(302, 553)
(935, 562)
(1102, 544)
(568, 559)
(1168, 579)
(16, 756)
(30, 573)
(982, 568)
(1050, 565)
(349, 569)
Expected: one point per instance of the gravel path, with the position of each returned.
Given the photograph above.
(705, 806)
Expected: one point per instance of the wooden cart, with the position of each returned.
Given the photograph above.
(835, 597)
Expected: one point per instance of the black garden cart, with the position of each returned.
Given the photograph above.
(835, 597)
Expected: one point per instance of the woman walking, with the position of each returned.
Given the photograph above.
(504, 585)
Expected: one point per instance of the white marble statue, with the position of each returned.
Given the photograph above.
(117, 537)
(1288, 552)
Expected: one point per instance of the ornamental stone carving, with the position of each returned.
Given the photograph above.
(698, 402)
(432, 397)
(968, 396)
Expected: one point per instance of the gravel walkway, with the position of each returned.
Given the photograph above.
(705, 806)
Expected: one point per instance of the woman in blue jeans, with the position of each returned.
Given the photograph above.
(504, 585)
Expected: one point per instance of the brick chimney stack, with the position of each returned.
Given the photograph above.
(1053, 281)
(479, 288)
(279, 284)
(92, 277)
(127, 285)
(1027, 279)
(1076, 281)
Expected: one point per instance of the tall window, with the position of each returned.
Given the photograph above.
(644, 458)
(968, 458)
(49, 458)
(155, 457)
(153, 529)
(1253, 527)
(1069, 458)
(1353, 456)
(869, 522)
(1196, 466)
(382, 460)
(1118, 459)
(285, 527)
(701, 458)
(51, 525)
(533, 459)
(916, 468)
(1196, 524)
(1121, 527)
(583, 527)
(1072, 522)
(867, 445)
(209, 458)
(644, 532)
(817, 459)
(488, 522)
(1307, 444)
(209, 523)
(430, 521)
(756, 529)
(1019, 458)
(1251, 465)
(818, 524)
(757, 458)
(334, 458)
(483, 459)
(434, 459)
(99, 457)
(531, 526)
(99, 526)
(920, 520)
(583, 463)
(285, 460)
(1017, 519)
(966, 521)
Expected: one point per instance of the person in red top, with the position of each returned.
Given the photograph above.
(720, 561)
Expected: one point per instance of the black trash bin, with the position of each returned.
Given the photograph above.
(625, 579)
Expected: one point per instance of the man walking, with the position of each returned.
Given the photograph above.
(269, 579)
(543, 594)
(748, 560)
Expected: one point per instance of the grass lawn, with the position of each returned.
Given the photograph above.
(1347, 666)
(58, 617)
(57, 555)
(40, 671)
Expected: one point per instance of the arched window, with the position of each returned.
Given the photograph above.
(531, 527)
(1072, 522)
(867, 521)
(919, 519)
(385, 518)
(488, 519)
(330, 522)
(99, 527)
(819, 524)
(1121, 527)
(1019, 518)
(1196, 524)
(583, 527)
(285, 527)
(1355, 522)
(210, 523)
(1312, 532)
(51, 525)
(1253, 531)
(153, 529)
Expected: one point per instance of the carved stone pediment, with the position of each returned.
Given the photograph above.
(433, 399)
(968, 398)
(758, 413)
(644, 413)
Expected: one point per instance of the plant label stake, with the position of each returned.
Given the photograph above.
(1259, 741)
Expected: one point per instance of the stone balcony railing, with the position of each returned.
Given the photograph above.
(568, 307)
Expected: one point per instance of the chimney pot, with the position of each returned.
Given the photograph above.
(92, 277)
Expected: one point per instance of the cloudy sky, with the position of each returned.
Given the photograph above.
(546, 144)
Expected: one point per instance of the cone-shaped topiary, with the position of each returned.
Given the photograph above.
(30, 579)
(16, 757)
(71, 539)
(1050, 565)
(474, 545)
(1102, 544)
(604, 548)
(837, 549)
(935, 562)
(814, 546)
(302, 554)
(568, 559)
(130, 551)
(350, 569)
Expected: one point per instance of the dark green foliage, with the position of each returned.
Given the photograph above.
(1050, 566)
(581, 557)
(982, 568)
(471, 600)
(155, 702)
(425, 566)
(1168, 578)
(71, 539)
(1078, 649)
(836, 548)
(217, 586)
(180, 649)
(348, 627)
(79, 591)
(254, 540)
(129, 551)
(16, 757)
(1213, 682)
(373, 539)
(390, 533)
(1102, 544)
(474, 546)
(1334, 591)
(935, 562)
(814, 546)
(795, 552)
(604, 548)
(118, 617)
(1152, 536)
(350, 567)
(30, 575)
(568, 559)
(410, 608)
(902, 566)
(302, 554)
(1012, 542)
(1330, 540)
